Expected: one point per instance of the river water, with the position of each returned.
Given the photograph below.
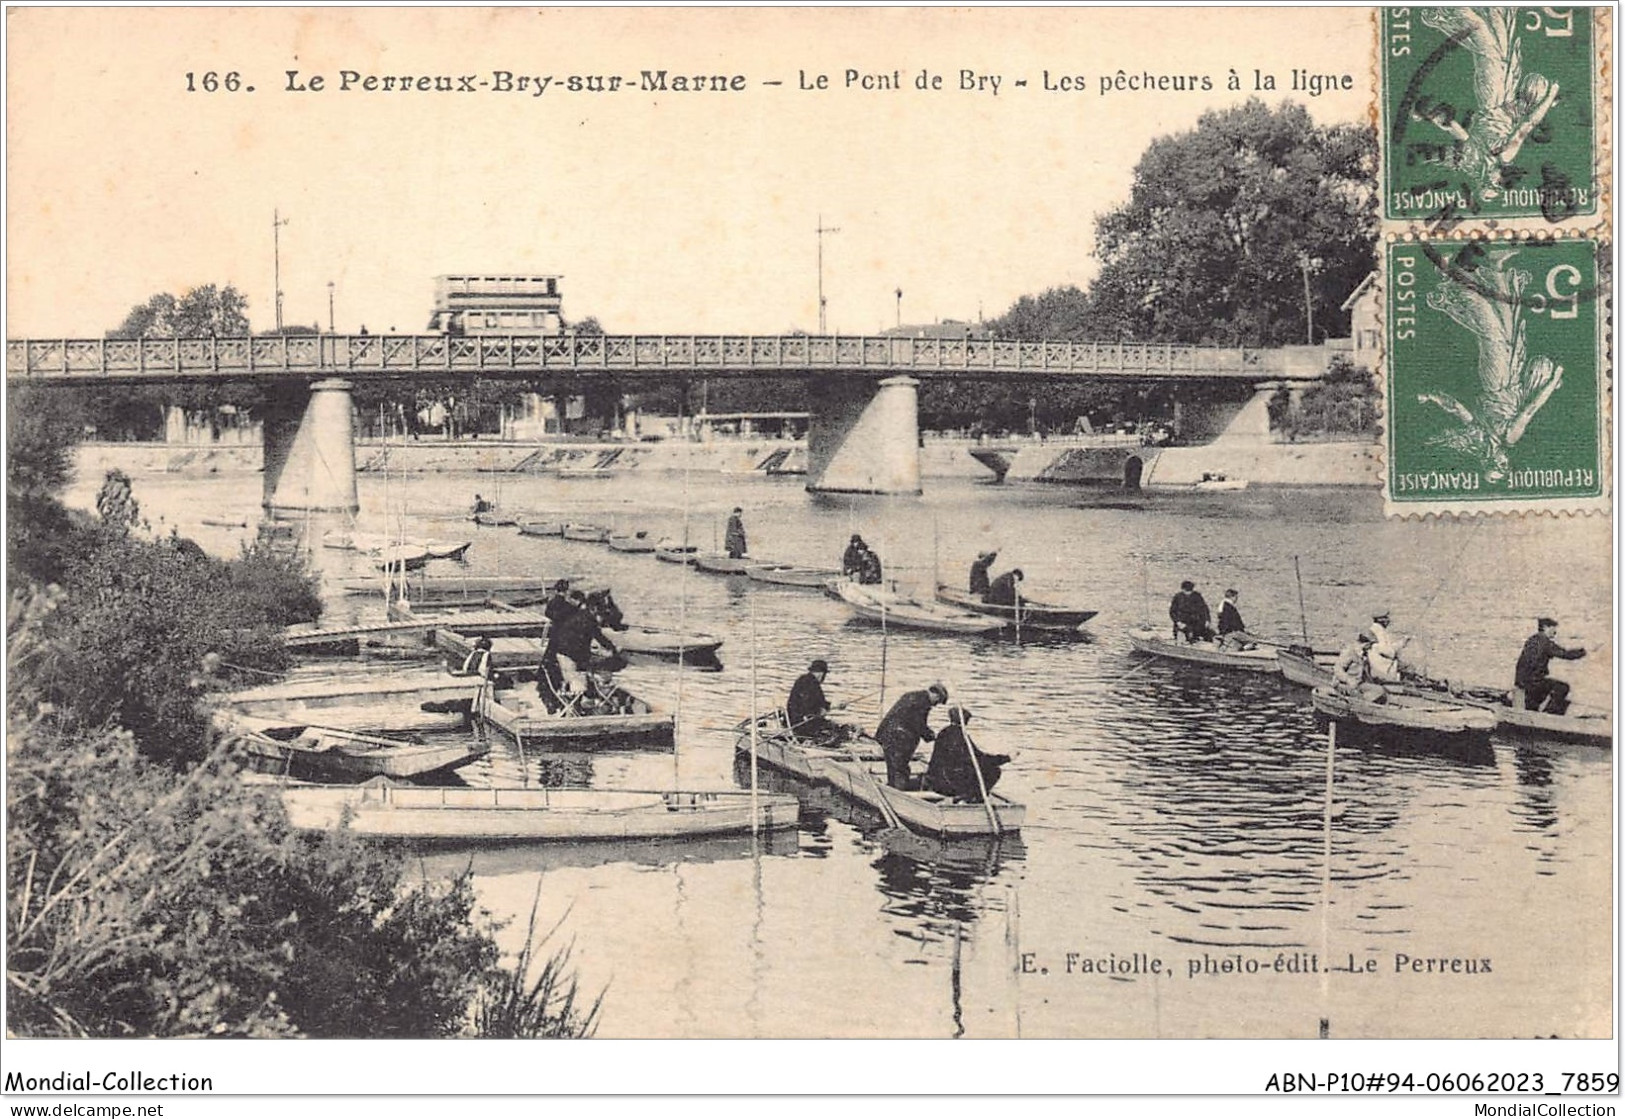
(1182, 872)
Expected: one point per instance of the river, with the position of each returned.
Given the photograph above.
(1172, 879)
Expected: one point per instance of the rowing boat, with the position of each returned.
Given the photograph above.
(620, 722)
(398, 556)
(792, 575)
(493, 520)
(1303, 668)
(721, 563)
(676, 553)
(586, 533)
(1405, 712)
(637, 542)
(442, 689)
(541, 528)
(876, 604)
(324, 753)
(1028, 614)
(446, 549)
(1262, 658)
(857, 770)
(385, 811)
(652, 641)
(1591, 728)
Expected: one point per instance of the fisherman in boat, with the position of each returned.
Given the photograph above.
(951, 771)
(1232, 630)
(1385, 650)
(733, 539)
(852, 558)
(978, 572)
(1190, 614)
(1540, 691)
(902, 730)
(1006, 589)
(478, 661)
(1351, 676)
(869, 573)
(807, 709)
(559, 606)
(481, 505)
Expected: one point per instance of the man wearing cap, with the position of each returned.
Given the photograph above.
(733, 539)
(1190, 614)
(478, 661)
(1540, 691)
(951, 771)
(806, 709)
(903, 728)
(979, 570)
(1352, 674)
(1385, 650)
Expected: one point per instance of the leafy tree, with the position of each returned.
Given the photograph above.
(208, 311)
(1223, 222)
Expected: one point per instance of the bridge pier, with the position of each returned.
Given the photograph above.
(865, 436)
(310, 449)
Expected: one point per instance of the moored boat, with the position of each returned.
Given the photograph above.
(1304, 668)
(1261, 658)
(792, 575)
(1406, 713)
(493, 520)
(672, 552)
(721, 563)
(441, 689)
(1588, 727)
(857, 770)
(639, 542)
(877, 604)
(656, 642)
(612, 719)
(541, 528)
(383, 810)
(399, 556)
(1028, 614)
(336, 754)
(585, 533)
(446, 549)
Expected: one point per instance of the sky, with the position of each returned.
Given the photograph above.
(665, 212)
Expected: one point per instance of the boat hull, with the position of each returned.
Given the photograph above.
(533, 815)
(1031, 615)
(675, 555)
(397, 688)
(526, 721)
(883, 607)
(1303, 670)
(1152, 643)
(720, 563)
(1589, 730)
(637, 545)
(791, 575)
(542, 528)
(586, 534)
(334, 754)
(1407, 714)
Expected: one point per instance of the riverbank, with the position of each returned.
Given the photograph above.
(1060, 462)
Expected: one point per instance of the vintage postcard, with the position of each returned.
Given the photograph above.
(669, 529)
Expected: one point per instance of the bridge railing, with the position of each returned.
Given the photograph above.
(520, 354)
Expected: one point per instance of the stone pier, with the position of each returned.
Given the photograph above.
(310, 449)
(865, 437)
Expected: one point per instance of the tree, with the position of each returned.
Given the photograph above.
(1225, 221)
(203, 312)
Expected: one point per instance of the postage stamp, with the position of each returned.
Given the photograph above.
(1494, 387)
(1489, 113)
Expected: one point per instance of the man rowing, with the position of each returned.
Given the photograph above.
(1540, 691)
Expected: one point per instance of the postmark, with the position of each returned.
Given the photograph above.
(1489, 113)
(1495, 378)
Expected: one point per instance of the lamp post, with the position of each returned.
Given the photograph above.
(277, 222)
(899, 308)
(330, 328)
(821, 230)
(1308, 264)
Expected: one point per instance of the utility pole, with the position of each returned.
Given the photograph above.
(899, 308)
(277, 222)
(1308, 300)
(821, 230)
(330, 327)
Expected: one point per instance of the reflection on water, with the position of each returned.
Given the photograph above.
(1172, 813)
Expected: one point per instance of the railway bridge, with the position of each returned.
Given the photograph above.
(865, 428)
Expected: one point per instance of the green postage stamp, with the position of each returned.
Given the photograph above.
(1495, 375)
(1489, 113)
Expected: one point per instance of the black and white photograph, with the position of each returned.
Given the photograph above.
(723, 525)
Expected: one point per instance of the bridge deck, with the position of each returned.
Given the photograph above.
(638, 356)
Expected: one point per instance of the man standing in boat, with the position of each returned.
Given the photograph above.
(733, 539)
(1232, 630)
(955, 760)
(978, 572)
(1385, 650)
(1540, 691)
(1006, 589)
(1190, 614)
(902, 730)
(807, 708)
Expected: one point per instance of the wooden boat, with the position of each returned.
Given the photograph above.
(383, 718)
(324, 753)
(508, 654)
(1585, 726)
(446, 549)
(1303, 668)
(877, 604)
(398, 556)
(493, 520)
(383, 810)
(792, 575)
(441, 689)
(586, 533)
(426, 590)
(541, 528)
(631, 542)
(653, 641)
(305, 636)
(521, 652)
(224, 522)
(1406, 713)
(721, 563)
(1210, 653)
(1031, 614)
(672, 552)
(857, 770)
(520, 714)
